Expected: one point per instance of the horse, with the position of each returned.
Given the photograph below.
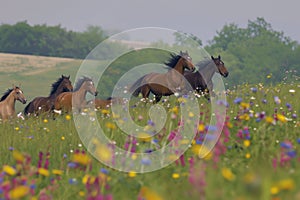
(82, 87)
(105, 103)
(201, 80)
(8, 100)
(45, 104)
(167, 83)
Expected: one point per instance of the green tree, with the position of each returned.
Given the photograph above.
(254, 52)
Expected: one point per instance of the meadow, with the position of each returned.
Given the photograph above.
(256, 157)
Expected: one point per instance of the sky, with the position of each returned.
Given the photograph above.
(198, 17)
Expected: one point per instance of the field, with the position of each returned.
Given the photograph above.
(256, 157)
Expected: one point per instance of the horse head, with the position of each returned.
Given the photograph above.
(220, 65)
(187, 61)
(18, 95)
(66, 83)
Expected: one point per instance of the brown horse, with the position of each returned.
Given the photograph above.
(8, 100)
(105, 103)
(164, 84)
(68, 100)
(45, 104)
(201, 81)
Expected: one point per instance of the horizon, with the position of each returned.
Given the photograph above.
(202, 19)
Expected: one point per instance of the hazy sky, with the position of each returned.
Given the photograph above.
(201, 18)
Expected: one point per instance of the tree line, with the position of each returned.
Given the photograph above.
(21, 38)
(256, 53)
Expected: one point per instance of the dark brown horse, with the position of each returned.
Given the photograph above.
(8, 100)
(164, 84)
(201, 81)
(45, 104)
(68, 100)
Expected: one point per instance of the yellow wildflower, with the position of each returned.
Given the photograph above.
(286, 184)
(103, 153)
(45, 120)
(80, 158)
(202, 151)
(57, 172)
(145, 137)
(274, 190)
(269, 119)
(19, 192)
(9, 170)
(244, 117)
(248, 155)
(174, 110)
(181, 100)
(191, 114)
(105, 112)
(18, 156)
(110, 125)
(134, 156)
(201, 127)
(175, 175)
(68, 117)
(147, 193)
(244, 105)
(281, 118)
(227, 174)
(247, 143)
(43, 171)
(132, 174)
(81, 193)
(88, 179)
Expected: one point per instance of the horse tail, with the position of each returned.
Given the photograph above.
(137, 85)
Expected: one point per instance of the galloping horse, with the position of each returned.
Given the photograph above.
(201, 81)
(46, 104)
(8, 100)
(82, 87)
(164, 84)
(105, 103)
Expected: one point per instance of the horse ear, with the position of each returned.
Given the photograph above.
(212, 57)
(68, 77)
(180, 53)
(219, 57)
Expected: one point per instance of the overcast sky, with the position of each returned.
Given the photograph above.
(201, 18)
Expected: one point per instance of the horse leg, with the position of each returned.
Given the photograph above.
(145, 92)
(157, 98)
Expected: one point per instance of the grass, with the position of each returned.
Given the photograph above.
(256, 157)
(232, 176)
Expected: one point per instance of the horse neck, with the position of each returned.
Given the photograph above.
(10, 101)
(58, 91)
(179, 67)
(81, 93)
(208, 71)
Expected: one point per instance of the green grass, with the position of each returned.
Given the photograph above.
(241, 172)
(251, 178)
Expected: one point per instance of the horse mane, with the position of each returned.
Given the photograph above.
(55, 85)
(173, 60)
(80, 81)
(5, 95)
(204, 63)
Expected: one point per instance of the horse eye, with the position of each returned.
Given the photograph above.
(18, 92)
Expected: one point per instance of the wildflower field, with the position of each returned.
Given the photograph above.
(256, 156)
